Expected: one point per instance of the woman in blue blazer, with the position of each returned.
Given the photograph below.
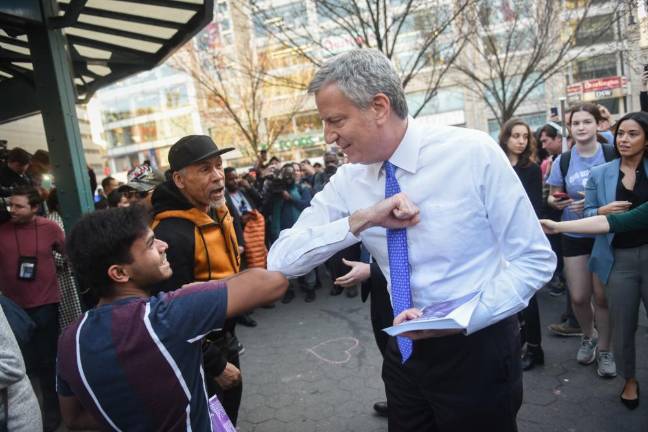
(621, 260)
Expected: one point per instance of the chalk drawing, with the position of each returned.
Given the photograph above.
(350, 341)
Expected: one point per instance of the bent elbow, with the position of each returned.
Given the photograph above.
(279, 284)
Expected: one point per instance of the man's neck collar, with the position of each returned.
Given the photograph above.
(405, 155)
(125, 291)
(30, 221)
(202, 208)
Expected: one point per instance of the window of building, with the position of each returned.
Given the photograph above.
(596, 29)
(179, 126)
(281, 124)
(279, 57)
(122, 163)
(308, 123)
(145, 132)
(225, 134)
(335, 10)
(496, 12)
(176, 96)
(291, 15)
(445, 100)
(534, 120)
(426, 21)
(516, 40)
(144, 103)
(577, 4)
(115, 109)
(595, 67)
(512, 84)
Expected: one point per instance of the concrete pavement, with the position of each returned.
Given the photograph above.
(315, 367)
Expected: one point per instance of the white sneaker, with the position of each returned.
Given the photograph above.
(606, 365)
(587, 352)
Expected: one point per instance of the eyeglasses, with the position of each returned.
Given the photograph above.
(133, 194)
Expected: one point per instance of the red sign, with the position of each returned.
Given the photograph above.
(599, 88)
(609, 83)
(575, 88)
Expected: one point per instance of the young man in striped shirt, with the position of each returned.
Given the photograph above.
(134, 363)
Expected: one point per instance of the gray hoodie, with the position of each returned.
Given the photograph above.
(24, 412)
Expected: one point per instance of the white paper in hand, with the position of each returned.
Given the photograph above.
(452, 314)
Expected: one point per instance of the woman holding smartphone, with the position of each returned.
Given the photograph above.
(567, 194)
(518, 144)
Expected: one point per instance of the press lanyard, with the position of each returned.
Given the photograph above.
(18, 243)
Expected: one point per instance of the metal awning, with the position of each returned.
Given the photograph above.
(108, 40)
(57, 53)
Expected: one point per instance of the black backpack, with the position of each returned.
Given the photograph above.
(609, 153)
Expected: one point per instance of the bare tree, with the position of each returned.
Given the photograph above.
(419, 36)
(233, 90)
(515, 46)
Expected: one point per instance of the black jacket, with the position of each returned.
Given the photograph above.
(183, 252)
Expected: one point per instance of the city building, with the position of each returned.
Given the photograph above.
(140, 118)
(29, 133)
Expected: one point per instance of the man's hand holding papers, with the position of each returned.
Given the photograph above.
(436, 320)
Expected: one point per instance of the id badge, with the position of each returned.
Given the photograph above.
(27, 268)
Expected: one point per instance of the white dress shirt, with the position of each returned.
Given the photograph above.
(478, 230)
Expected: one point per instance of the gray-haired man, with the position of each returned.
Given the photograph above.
(461, 226)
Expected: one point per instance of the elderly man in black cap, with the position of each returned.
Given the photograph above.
(190, 214)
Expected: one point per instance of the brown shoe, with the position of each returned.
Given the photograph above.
(564, 329)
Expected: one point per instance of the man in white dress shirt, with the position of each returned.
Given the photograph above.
(470, 231)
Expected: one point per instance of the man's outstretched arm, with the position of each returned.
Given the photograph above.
(252, 288)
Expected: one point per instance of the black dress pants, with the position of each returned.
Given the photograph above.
(381, 311)
(531, 331)
(230, 398)
(456, 383)
(40, 359)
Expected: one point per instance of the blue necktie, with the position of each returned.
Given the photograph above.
(399, 273)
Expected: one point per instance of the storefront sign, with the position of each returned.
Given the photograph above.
(337, 44)
(599, 88)
(299, 141)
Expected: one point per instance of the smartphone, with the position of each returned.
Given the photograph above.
(554, 111)
(646, 68)
(560, 196)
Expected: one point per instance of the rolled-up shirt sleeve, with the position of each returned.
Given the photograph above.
(321, 230)
(529, 260)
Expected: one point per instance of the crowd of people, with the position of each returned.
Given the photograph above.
(129, 323)
(216, 221)
(602, 172)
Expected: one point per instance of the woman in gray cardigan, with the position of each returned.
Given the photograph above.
(24, 413)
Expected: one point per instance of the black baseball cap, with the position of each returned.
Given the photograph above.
(191, 149)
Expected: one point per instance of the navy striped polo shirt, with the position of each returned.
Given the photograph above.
(136, 364)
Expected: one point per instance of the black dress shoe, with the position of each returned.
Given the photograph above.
(310, 296)
(381, 408)
(336, 290)
(534, 356)
(288, 297)
(247, 321)
(630, 403)
(352, 291)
